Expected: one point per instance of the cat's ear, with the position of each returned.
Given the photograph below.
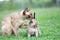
(24, 12)
(27, 9)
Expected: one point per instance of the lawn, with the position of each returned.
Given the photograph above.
(48, 20)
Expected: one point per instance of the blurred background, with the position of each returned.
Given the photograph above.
(20, 4)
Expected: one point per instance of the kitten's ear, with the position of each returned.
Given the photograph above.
(34, 15)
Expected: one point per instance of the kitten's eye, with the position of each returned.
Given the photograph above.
(31, 21)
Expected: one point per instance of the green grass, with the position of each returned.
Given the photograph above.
(48, 20)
